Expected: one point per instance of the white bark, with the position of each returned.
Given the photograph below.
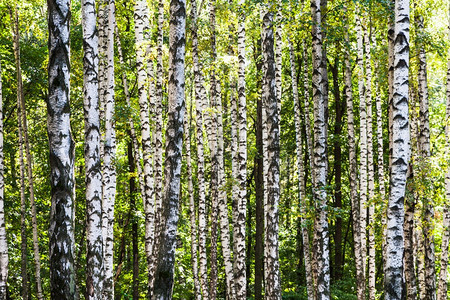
(321, 234)
(174, 138)
(3, 239)
(400, 154)
(272, 143)
(141, 36)
(94, 238)
(62, 146)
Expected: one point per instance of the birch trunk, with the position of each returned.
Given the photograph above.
(321, 234)
(192, 212)
(241, 276)
(301, 179)
(272, 141)
(360, 282)
(174, 138)
(400, 154)
(442, 284)
(363, 179)
(109, 156)
(3, 239)
(200, 98)
(370, 168)
(424, 148)
(29, 158)
(94, 239)
(62, 146)
(141, 37)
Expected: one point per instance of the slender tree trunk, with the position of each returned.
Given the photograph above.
(301, 177)
(141, 36)
(321, 234)
(442, 285)
(94, 239)
(109, 156)
(192, 211)
(370, 165)
(62, 146)
(400, 154)
(3, 239)
(241, 280)
(360, 282)
(20, 93)
(174, 137)
(218, 161)
(269, 98)
(424, 145)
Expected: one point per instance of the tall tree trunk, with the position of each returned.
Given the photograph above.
(400, 154)
(200, 99)
(363, 179)
(370, 164)
(301, 176)
(62, 155)
(359, 262)
(442, 285)
(20, 94)
(141, 36)
(163, 285)
(424, 148)
(109, 156)
(241, 275)
(3, 239)
(269, 98)
(192, 211)
(321, 234)
(94, 239)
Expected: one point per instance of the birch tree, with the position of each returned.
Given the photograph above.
(271, 120)
(174, 136)
(321, 234)
(400, 154)
(94, 238)
(4, 260)
(61, 144)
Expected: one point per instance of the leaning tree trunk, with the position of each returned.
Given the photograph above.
(142, 35)
(301, 174)
(424, 149)
(269, 97)
(400, 154)
(442, 285)
(94, 238)
(174, 138)
(3, 239)
(321, 234)
(20, 93)
(62, 155)
(109, 156)
(360, 282)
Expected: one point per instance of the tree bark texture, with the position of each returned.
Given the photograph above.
(61, 144)
(174, 138)
(270, 106)
(93, 179)
(400, 154)
(321, 231)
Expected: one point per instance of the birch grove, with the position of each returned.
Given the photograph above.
(224, 149)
